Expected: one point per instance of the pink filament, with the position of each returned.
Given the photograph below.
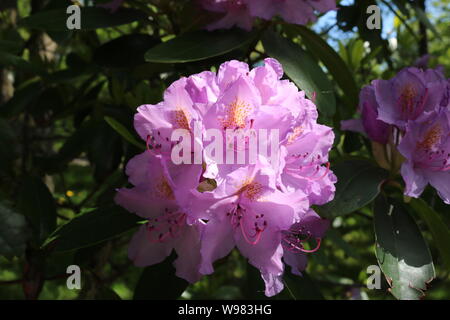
(175, 222)
(311, 177)
(295, 248)
(257, 235)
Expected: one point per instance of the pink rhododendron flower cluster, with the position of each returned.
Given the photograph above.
(242, 12)
(411, 112)
(113, 5)
(203, 209)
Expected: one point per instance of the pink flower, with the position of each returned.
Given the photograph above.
(242, 12)
(375, 129)
(310, 227)
(426, 147)
(408, 96)
(292, 11)
(113, 6)
(255, 204)
(306, 163)
(236, 14)
(249, 212)
(156, 197)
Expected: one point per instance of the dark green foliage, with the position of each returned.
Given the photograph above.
(67, 100)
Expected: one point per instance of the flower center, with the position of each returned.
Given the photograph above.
(432, 156)
(295, 134)
(431, 137)
(239, 218)
(236, 115)
(163, 189)
(182, 119)
(407, 99)
(252, 190)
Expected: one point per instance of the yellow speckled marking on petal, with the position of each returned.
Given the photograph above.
(237, 113)
(432, 136)
(182, 119)
(164, 190)
(252, 190)
(297, 133)
(407, 99)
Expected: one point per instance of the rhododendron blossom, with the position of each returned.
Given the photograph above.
(113, 5)
(426, 147)
(369, 124)
(241, 13)
(408, 96)
(260, 205)
(411, 112)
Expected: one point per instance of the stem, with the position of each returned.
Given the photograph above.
(423, 43)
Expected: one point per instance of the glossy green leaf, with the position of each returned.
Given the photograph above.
(401, 251)
(36, 202)
(92, 228)
(23, 98)
(76, 143)
(437, 226)
(159, 282)
(91, 18)
(333, 62)
(198, 45)
(13, 232)
(120, 129)
(299, 287)
(111, 54)
(303, 70)
(358, 184)
(104, 163)
(11, 60)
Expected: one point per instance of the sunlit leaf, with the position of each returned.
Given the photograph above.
(198, 45)
(437, 226)
(401, 251)
(91, 228)
(358, 184)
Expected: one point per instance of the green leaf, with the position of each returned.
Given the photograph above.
(13, 232)
(78, 142)
(111, 54)
(303, 70)
(333, 62)
(104, 163)
(9, 59)
(120, 129)
(8, 150)
(437, 226)
(36, 202)
(401, 251)
(159, 282)
(401, 5)
(92, 228)
(299, 288)
(91, 18)
(198, 46)
(358, 184)
(23, 97)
